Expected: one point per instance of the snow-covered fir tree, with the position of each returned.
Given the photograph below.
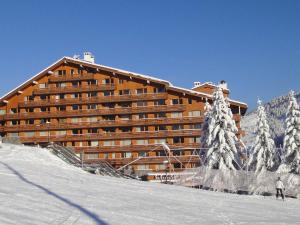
(291, 143)
(263, 156)
(205, 124)
(220, 135)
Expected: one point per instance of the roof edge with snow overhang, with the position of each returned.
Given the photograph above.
(113, 70)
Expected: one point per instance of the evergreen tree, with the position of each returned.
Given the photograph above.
(291, 143)
(263, 156)
(220, 135)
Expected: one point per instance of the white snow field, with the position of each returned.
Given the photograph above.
(37, 188)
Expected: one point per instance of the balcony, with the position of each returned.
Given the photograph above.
(95, 112)
(148, 160)
(113, 136)
(103, 123)
(74, 77)
(64, 90)
(133, 148)
(93, 100)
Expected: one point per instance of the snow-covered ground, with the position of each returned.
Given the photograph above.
(38, 188)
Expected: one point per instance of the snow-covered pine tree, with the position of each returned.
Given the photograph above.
(263, 156)
(221, 139)
(291, 143)
(205, 125)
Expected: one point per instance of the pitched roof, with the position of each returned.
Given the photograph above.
(66, 59)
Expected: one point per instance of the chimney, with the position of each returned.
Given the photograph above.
(223, 84)
(87, 56)
(197, 84)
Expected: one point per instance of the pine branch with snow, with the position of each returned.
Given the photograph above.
(220, 137)
(263, 156)
(291, 144)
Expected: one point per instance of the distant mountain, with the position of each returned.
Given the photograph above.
(275, 110)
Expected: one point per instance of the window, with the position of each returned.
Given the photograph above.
(76, 83)
(2, 111)
(108, 93)
(93, 131)
(30, 121)
(160, 141)
(108, 81)
(92, 106)
(109, 130)
(41, 86)
(143, 167)
(195, 140)
(177, 127)
(43, 133)
(140, 91)
(72, 72)
(160, 102)
(141, 129)
(15, 122)
(178, 152)
(76, 95)
(142, 142)
(45, 109)
(29, 110)
(92, 82)
(124, 92)
(109, 143)
(194, 113)
(94, 143)
(160, 167)
(125, 129)
(176, 114)
(29, 134)
(76, 131)
(109, 117)
(13, 110)
(125, 117)
(160, 115)
(177, 140)
(160, 127)
(159, 90)
(190, 101)
(143, 116)
(60, 72)
(62, 120)
(127, 154)
(125, 142)
(109, 105)
(28, 98)
(125, 104)
(13, 134)
(92, 119)
(176, 101)
(141, 104)
(195, 126)
(92, 94)
(76, 107)
(44, 120)
(142, 154)
(92, 156)
(61, 132)
(61, 84)
(44, 97)
(161, 153)
(75, 120)
(121, 81)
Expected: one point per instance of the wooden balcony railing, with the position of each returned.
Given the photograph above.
(133, 148)
(89, 88)
(95, 112)
(113, 136)
(103, 124)
(93, 100)
(148, 160)
(74, 77)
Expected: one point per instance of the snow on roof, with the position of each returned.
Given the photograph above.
(138, 75)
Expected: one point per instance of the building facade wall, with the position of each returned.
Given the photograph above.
(108, 116)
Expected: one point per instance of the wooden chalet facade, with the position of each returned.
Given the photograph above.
(109, 114)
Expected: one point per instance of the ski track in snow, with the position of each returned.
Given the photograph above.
(37, 188)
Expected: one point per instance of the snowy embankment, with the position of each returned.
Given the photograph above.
(38, 188)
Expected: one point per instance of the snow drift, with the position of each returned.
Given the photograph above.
(38, 188)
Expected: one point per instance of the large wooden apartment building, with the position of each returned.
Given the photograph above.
(110, 114)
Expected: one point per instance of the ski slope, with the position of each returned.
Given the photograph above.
(37, 188)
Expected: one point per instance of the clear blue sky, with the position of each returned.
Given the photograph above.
(253, 45)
